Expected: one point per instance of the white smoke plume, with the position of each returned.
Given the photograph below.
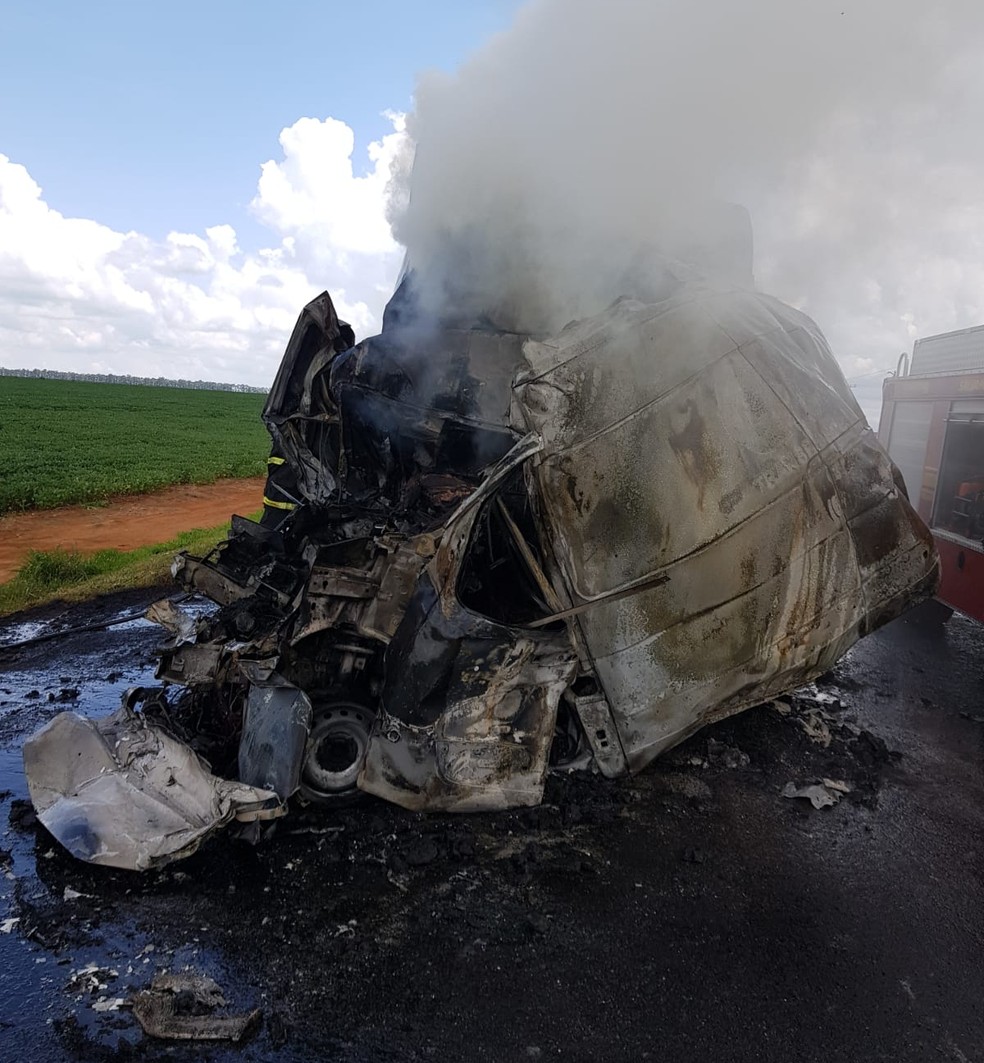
(594, 129)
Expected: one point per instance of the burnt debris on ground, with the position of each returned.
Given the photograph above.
(369, 932)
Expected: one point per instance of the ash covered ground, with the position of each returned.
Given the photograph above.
(691, 912)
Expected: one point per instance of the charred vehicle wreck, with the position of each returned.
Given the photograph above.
(484, 554)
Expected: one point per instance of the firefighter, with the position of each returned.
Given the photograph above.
(280, 494)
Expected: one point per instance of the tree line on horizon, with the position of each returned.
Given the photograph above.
(126, 378)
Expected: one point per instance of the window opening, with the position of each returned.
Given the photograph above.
(502, 575)
(959, 504)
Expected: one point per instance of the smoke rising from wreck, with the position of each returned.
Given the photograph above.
(554, 164)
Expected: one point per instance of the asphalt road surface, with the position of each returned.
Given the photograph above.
(691, 913)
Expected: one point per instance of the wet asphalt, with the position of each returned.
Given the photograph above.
(690, 913)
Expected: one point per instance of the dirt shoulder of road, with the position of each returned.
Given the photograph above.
(77, 553)
(125, 523)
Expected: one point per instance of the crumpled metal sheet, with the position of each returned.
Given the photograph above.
(710, 439)
(157, 1010)
(824, 794)
(179, 624)
(121, 792)
(488, 749)
(317, 337)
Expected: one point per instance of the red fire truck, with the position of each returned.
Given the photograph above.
(932, 424)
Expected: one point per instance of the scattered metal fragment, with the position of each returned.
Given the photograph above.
(176, 621)
(179, 1007)
(816, 726)
(109, 1004)
(91, 979)
(824, 794)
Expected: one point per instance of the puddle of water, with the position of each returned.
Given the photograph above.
(12, 772)
(22, 632)
(101, 677)
(96, 697)
(34, 979)
(29, 976)
(11, 634)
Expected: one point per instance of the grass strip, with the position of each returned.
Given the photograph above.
(64, 441)
(67, 575)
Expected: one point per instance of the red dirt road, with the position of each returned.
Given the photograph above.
(125, 523)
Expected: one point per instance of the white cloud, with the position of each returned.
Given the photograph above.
(861, 168)
(314, 185)
(77, 295)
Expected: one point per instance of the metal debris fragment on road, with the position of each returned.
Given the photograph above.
(180, 1006)
(816, 726)
(824, 794)
(176, 621)
(808, 710)
(109, 1004)
(91, 979)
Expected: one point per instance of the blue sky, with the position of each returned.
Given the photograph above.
(156, 117)
(178, 180)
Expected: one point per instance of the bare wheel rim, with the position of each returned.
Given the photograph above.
(335, 751)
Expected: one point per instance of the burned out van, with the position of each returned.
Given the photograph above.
(485, 555)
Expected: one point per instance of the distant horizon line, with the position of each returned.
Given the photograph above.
(131, 378)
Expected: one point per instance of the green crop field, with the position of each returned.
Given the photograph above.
(66, 441)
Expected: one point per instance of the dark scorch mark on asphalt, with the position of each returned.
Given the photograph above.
(690, 912)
